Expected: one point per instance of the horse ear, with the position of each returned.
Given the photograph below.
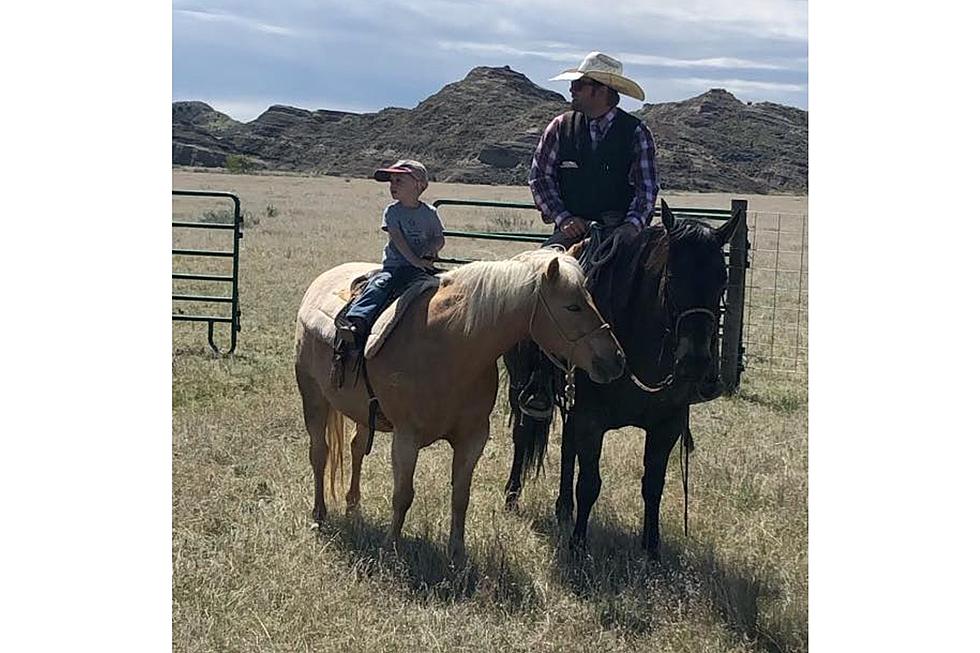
(551, 274)
(666, 216)
(575, 251)
(725, 232)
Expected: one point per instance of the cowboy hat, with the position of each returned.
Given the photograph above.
(605, 70)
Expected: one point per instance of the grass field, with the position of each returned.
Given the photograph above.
(250, 575)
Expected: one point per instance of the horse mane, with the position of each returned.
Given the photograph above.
(490, 289)
(686, 230)
(626, 282)
(692, 229)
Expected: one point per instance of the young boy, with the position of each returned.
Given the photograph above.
(414, 239)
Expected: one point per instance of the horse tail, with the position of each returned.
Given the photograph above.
(530, 434)
(530, 438)
(336, 428)
(537, 432)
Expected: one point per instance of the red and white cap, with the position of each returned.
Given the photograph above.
(404, 167)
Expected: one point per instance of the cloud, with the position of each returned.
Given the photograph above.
(742, 84)
(785, 19)
(626, 57)
(239, 21)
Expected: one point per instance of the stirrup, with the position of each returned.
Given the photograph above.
(531, 411)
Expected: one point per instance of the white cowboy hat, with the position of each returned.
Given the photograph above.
(605, 70)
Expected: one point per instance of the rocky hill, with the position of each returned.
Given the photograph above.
(483, 129)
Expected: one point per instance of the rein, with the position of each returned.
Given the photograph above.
(598, 251)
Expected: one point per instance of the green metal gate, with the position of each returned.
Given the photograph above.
(238, 232)
(733, 303)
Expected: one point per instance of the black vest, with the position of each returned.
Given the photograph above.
(599, 181)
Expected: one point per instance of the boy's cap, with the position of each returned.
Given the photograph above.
(405, 167)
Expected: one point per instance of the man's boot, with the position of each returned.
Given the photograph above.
(537, 397)
(352, 330)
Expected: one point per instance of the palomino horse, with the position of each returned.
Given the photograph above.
(665, 313)
(436, 375)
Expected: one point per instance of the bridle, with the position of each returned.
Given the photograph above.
(572, 345)
(670, 335)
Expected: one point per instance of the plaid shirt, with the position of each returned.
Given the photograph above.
(643, 171)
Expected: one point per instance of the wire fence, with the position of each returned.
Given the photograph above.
(775, 326)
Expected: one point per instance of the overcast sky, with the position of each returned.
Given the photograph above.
(243, 56)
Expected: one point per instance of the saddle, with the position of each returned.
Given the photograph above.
(401, 298)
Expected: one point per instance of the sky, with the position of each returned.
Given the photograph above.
(243, 56)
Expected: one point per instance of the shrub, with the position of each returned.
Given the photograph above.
(227, 216)
(239, 163)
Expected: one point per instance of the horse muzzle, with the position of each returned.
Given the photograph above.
(692, 358)
(606, 369)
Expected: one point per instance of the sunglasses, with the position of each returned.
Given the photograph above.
(579, 84)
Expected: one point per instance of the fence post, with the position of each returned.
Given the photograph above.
(731, 337)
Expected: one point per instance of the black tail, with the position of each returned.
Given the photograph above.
(523, 362)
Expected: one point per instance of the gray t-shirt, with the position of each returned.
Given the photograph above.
(421, 227)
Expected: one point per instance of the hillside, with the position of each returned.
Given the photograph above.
(483, 129)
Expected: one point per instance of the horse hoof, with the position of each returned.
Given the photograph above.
(457, 558)
(510, 502)
(653, 552)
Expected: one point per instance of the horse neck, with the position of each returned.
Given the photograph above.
(500, 336)
(494, 337)
(645, 328)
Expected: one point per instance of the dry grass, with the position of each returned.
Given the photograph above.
(248, 574)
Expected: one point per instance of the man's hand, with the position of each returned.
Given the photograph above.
(573, 227)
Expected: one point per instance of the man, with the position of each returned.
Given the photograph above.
(595, 163)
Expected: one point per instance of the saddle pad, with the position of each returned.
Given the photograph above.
(386, 322)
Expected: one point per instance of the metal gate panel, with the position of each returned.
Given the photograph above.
(238, 231)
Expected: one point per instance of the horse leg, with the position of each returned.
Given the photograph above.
(660, 439)
(358, 448)
(564, 504)
(315, 413)
(404, 455)
(588, 449)
(466, 453)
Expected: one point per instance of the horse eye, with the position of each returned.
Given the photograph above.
(574, 308)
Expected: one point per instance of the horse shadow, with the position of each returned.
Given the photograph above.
(424, 569)
(614, 563)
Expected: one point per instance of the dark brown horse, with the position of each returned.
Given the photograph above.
(664, 312)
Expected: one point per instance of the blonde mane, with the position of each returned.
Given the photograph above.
(491, 289)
